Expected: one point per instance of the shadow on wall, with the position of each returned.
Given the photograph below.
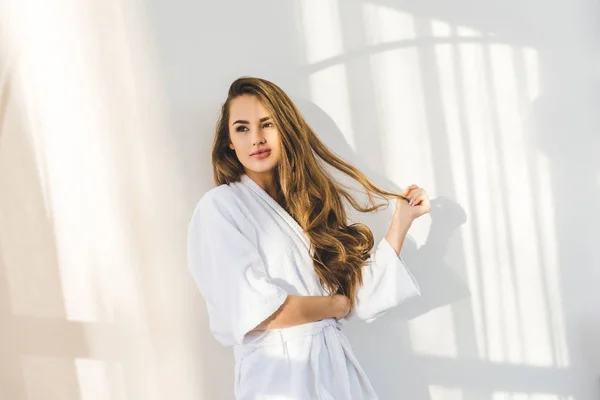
(566, 126)
(439, 284)
(388, 360)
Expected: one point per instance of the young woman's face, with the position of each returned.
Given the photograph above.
(253, 135)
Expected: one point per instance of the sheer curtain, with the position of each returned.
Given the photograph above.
(95, 300)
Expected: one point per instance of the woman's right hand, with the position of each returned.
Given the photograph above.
(340, 306)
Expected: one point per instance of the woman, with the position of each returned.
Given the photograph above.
(272, 252)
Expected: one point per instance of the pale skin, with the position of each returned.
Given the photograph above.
(252, 129)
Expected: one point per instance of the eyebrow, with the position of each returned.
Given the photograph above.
(241, 121)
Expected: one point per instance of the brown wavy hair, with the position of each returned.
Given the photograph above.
(305, 189)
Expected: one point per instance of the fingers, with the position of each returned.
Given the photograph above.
(407, 191)
(416, 196)
(418, 200)
(424, 205)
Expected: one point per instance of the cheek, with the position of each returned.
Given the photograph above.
(239, 143)
(276, 145)
(274, 139)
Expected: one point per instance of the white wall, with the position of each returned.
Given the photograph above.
(489, 105)
(107, 113)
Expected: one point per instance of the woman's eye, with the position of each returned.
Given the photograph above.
(268, 124)
(241, 129)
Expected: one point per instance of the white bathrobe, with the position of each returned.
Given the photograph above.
(247, 254)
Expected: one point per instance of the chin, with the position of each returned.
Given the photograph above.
(260, 168)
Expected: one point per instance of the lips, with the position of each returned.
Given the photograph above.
(261, 152)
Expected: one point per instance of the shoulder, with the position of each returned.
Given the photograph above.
(215, 200)
(219, 202)
(219, 210)
(216, 196)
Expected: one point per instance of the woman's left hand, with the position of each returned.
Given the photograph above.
(416, 203)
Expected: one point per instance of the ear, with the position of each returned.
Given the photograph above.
(231, 146)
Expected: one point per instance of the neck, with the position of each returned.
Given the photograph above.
(265, 180)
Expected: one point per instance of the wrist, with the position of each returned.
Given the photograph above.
(401, 219)
(328, 309)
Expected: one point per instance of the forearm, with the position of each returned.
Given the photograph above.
(398, 231)
(298, 310)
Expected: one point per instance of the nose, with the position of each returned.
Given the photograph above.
(257, 137)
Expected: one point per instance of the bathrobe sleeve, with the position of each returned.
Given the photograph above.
(225, 263)
(387, 282)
